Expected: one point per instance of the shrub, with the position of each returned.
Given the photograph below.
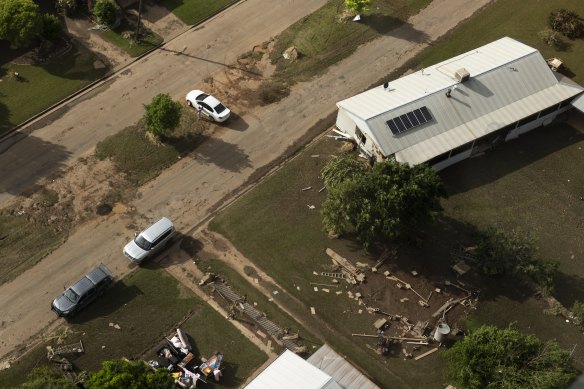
(273, 91)
(567, 23)
(549, 37)
(106, 11)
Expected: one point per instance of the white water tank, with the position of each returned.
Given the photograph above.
(442, 332)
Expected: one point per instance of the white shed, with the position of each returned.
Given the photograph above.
(459, 107)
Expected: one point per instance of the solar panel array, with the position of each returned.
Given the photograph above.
(409, 120)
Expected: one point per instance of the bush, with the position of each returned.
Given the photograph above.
(273, 91)
(567, 23)
(52, 28)
(549, 37)
(106, 11)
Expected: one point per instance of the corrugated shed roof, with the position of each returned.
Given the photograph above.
(327, 360)
(508, 80)
(289, 371)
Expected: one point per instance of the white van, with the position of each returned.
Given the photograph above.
(150, 241)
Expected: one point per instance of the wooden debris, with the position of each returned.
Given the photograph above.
(403, 300)
(333, 275)
(316, 289)
(425, 354)
(386, 273)
(321, 189)
(345, 264)
(407, 354)
(385, 256)
(260, 333)
(414, 273)
(447, 305)
(307, 188)
(319, 284)
(380, 324)
(312, 310)
(325, 290)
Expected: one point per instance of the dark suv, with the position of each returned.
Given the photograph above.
(83, 292)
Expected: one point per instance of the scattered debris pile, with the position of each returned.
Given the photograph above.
(57, 355)
(239, 304)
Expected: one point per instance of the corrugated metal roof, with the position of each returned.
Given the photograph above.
(289, 371)
(508, 80)
(327, 360)
(578, 103)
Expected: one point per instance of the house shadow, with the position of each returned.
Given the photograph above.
(509, 157)
(112, 300)
(25, 160)
(224, 155)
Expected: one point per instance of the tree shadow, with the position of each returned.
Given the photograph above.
(569, 288)
(509, 157)
(391, 26)
(224, 155)
(5, 124)
(26, 160)
(112, 300)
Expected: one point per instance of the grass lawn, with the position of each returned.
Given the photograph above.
(148, 39)
(514, 19)
(322, 40)
(285, 239)
(43, 85)
(193, 11)
(16, 256)
(147, 305)
(140, 158)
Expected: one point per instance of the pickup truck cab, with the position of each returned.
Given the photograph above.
(82, 292)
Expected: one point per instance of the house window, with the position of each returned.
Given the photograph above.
(549, 110)
(362, 138)
(528, 119)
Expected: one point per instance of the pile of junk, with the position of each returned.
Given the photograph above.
(177, 356)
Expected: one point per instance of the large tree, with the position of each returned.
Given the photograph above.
(125, 374)
(162, 115)
(20, 21)
(504, 358)
(387, 201)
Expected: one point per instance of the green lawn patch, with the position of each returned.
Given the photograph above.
(514, 19)
(193, 11)
(148, 39)
(16, 256)
(322, 40)
(146, 305)
(142, 159)
(43, 85)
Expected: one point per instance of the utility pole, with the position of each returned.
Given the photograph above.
(137, 37)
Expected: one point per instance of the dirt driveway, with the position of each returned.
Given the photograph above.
(192, 189)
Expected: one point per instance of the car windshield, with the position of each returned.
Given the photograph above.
(142, 243)
(71, 295)
(220, 108)
(201, 97)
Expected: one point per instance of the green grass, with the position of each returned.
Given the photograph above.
(323, 41)
(16, 256)
(140, 158)
(148, 39)
(43, 85)
(147, 305)
(193, 11)
(514, 19)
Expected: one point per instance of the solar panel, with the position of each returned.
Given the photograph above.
(393, 127)
(426, 114)
(406, 121)
(413, 119)
(399, 124)
(409, 120)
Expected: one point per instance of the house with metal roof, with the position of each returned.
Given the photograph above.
(459, 107)
(325, 369)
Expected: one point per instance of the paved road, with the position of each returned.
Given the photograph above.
(195, 186)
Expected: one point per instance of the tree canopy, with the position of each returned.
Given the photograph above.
(504, 358)
(43, 378)
(106, 11)
(20, 21)
(162, 115)
(387, 201)
(357, 6)
(125, 374)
